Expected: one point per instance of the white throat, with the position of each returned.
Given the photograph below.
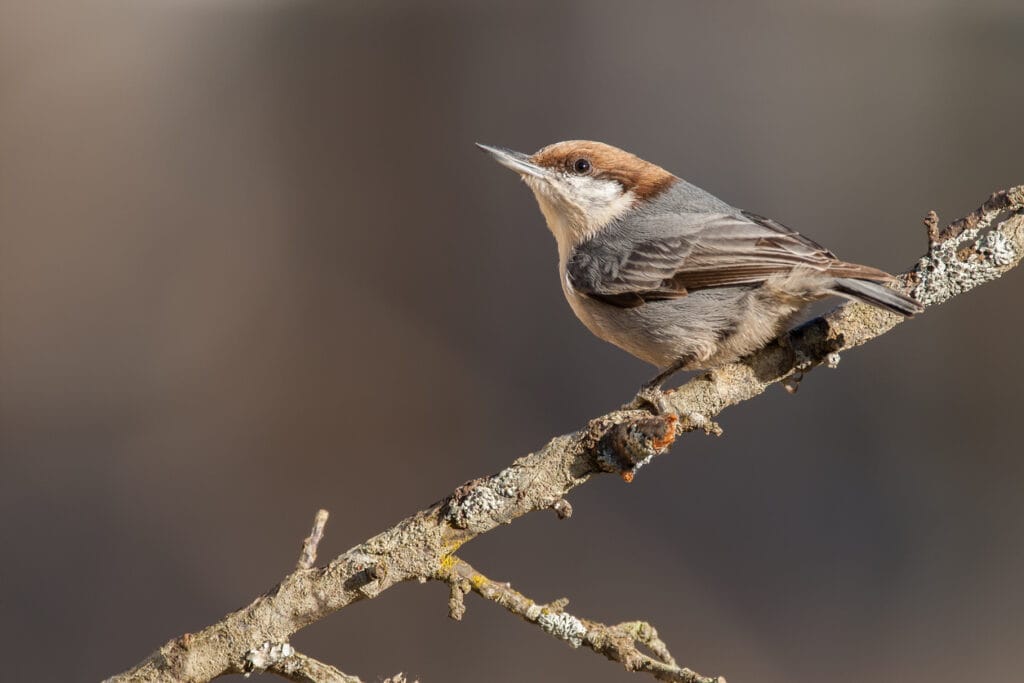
(576, 208)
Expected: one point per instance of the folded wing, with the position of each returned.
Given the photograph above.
(724, 250)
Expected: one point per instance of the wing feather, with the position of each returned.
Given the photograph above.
(741, 249)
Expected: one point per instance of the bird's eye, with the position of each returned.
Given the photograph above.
(581, 166)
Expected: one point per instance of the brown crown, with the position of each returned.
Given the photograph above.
(641, 177)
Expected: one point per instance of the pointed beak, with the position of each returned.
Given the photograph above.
(517, 161)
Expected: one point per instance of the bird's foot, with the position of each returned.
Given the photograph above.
(650, 397)
(792, 383)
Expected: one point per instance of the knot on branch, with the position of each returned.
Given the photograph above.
(628, 446)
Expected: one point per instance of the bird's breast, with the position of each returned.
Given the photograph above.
(581, 305)
(628, 328)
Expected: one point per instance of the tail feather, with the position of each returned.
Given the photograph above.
(877, 295)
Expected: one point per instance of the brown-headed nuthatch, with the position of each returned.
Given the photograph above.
(669, 272)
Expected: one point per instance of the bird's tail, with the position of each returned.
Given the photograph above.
(876, 294)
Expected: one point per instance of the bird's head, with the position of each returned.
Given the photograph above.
(583, 186)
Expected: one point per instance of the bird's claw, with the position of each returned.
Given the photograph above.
(650, 397)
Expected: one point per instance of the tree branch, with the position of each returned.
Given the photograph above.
(969, 252)
(283, 660)
(617, 642)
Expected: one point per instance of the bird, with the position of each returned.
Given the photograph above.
(672, 274)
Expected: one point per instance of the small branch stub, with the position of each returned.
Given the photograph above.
(456, 599)
(562, 508)
(309, 547)
(931, 222)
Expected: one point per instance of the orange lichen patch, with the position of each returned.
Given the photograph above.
(627, 475)
(669, 437)
(640, 177)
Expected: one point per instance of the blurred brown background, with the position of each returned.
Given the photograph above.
(252, 264)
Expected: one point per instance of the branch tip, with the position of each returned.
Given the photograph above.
(307, 558)
(931, 222)
(456, 598)
(558, 605)
(618, 642)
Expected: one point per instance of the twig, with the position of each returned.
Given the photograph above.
(617, 642)
(308, 556)
(302, 669)
(283, 660)
(977, 249)
(1010, 200)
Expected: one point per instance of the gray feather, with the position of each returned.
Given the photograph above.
(690, 253)
(686, 277)
(877, 295)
